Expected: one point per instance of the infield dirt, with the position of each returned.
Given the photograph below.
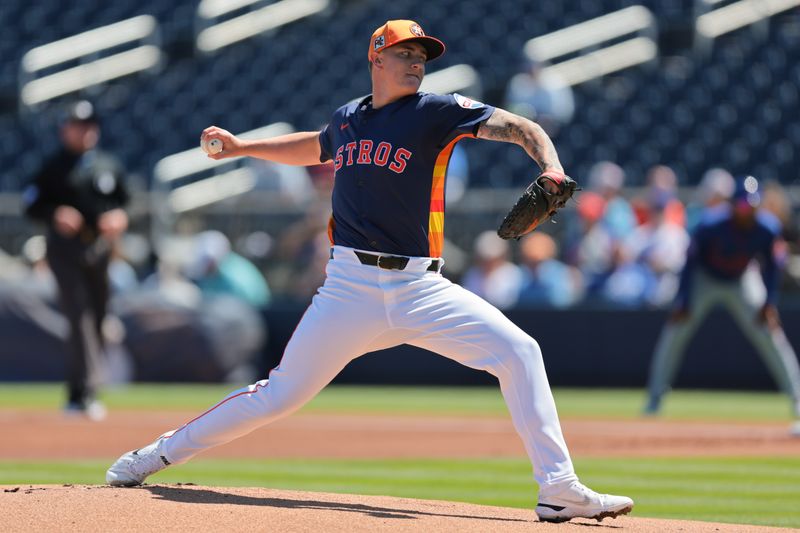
(383, 436)
(194, 508)
(190, 508)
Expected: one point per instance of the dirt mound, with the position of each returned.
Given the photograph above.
(194, 508)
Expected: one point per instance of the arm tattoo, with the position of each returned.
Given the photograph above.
(511, 128)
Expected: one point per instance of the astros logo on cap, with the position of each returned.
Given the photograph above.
(398, 31)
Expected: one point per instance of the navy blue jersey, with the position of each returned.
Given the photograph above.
(724, 250)
(390, 164)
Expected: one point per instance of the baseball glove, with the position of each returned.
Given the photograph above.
(548, 193)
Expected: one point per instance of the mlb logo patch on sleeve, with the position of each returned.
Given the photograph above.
(467, 103)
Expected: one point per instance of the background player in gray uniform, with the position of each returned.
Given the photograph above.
(383, 283)
(722, 247)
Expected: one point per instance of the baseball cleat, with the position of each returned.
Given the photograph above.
(579, 501)
(794, 429)
(652, 408)
(93, 410)
(135, 466)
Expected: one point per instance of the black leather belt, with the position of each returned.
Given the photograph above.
(391, 262)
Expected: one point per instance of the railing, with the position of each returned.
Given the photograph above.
(217, 26)
(189, 180)
(459, 78)
(45, 73)
(714, 19)
(591, 44)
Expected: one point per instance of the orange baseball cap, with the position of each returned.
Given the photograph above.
(398, 31)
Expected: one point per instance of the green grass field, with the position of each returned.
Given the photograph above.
(584, 403)
(752, 490)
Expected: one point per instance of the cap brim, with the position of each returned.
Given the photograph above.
(433, 46)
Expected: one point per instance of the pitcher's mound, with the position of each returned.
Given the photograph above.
(193, 508)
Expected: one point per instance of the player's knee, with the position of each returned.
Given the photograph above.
(520, 356)
(528, 352)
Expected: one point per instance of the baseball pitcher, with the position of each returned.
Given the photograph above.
(384, 285)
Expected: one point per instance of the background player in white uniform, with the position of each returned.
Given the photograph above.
(383, 284)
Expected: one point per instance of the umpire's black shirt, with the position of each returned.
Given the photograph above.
(91, 182)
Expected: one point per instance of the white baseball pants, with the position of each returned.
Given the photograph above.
(362, 308)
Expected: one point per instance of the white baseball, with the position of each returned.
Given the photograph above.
(214, 146)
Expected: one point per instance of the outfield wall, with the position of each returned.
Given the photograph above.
(582, 348)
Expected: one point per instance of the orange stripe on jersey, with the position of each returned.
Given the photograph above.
(436, 218)
(331, 225)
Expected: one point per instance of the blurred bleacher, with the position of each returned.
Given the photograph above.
(691, 111)
(730, 102)
(727, 102)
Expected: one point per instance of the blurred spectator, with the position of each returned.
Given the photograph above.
(546, 280)
(652, 257)
(541, 95)
(291, 183)
(40, 278)
(628, 284)
(256, 245)
(659, 245)
(457, 259)
(776, 200)
(662, 182)
(606, 179)
(310, 275)
(627, 264)
(217, 269)
(169, 281)
(715, 189)
(79, 194)
(174, 331)
(492, 275)
(304, 250)
(122, 276)
(722, 247)
(591, 248)
(322, 176)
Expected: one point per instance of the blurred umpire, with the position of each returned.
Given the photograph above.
(79, 193)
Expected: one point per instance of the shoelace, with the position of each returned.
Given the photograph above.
(589, 494)
(146, 463)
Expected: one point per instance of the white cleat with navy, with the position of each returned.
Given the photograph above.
(579, 501)
(135, 466)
